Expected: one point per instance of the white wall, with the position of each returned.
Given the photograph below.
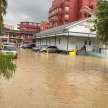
(73, 42)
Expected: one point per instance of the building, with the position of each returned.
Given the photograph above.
(9, 26)
(4, 39)
(18, 36)
(69, 36)
(29, 27)
(66, 11)
(24, 32)
(87, 7)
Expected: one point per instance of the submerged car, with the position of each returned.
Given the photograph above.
(52, 49)
(49, 49)
(9, 50)
(10, 43)
(36, 49)
(43, 48)
(29, 45)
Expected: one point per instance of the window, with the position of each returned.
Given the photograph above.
(91, 6)
(49, 41)
(67, 9)
(85, 42)
(9, 48)
(66, 16)
(59, 41)
(89, 42)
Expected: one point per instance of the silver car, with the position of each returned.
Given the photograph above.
(36, 49)
(9, 50)
(49, 49)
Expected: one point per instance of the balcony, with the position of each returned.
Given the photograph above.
(56, 12)
(86, 9)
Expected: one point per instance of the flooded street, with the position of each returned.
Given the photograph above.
(56, 81)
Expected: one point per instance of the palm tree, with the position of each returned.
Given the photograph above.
(3, 7)
(7, 67)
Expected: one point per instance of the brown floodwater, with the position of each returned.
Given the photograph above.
(56, 81)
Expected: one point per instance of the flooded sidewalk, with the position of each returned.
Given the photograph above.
(56, 81)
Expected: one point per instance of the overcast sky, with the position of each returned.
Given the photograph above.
(27, 10)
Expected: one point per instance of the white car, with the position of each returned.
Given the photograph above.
(10, 43)
(9, 50)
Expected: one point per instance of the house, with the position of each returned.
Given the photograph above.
(69, 36)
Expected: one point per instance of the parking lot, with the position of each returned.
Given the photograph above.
(56, 81)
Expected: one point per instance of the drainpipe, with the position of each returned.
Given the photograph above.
(36, 42)
(67, 42)
(40, 41)
(46, 41)
(55, 39)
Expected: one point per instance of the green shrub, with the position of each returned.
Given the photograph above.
(7, 67)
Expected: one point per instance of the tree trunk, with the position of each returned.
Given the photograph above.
(0, 19)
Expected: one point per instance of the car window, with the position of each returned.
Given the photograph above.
(9, 48)
(10, 44)
(44, 46)
(52, 47)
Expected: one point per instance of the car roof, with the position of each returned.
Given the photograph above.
(10, 45)
(53, 46)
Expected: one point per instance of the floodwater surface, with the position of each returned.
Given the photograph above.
(56, 81)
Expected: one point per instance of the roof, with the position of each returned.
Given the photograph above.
(77, 28)
(18, 31)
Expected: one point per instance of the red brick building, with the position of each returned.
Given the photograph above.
(65, 11)
(29, 27)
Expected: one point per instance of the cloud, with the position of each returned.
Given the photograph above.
(27, 10)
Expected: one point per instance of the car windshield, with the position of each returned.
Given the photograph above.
(52, 47)
(44, 46)
(10, 44)
(9, 48)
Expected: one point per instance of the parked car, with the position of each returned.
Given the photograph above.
(36, 49)
(9, 50)
(10, 43)
(52, 49)
(29, 45)
(49, 49)
(43, 48)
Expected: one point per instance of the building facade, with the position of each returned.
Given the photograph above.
(44, 25)
(66, 11)
(69, 36)
(29, 27)
(19, 36)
